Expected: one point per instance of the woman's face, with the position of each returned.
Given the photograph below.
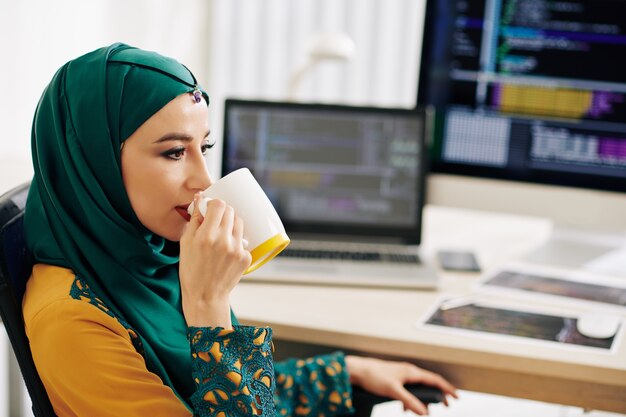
(163, 165)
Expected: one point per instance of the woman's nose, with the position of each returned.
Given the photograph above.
(199, 178)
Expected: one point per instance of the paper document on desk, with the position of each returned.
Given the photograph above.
(581, 288)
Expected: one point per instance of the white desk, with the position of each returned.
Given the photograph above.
(382, 322)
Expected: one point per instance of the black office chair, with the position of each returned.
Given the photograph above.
(15, 268)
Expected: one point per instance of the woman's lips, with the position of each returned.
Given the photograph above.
(182, 210)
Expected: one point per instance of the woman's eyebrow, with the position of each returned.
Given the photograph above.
(178, 136)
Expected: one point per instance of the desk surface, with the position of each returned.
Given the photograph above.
(383, 322)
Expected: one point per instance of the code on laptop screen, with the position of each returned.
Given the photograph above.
(322, 165)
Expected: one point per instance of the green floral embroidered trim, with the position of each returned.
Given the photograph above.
(236, 376)
(318, 386)
(81, 291)
(233, 370)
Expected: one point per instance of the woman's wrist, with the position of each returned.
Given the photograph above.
(208, 314)
(353, 367)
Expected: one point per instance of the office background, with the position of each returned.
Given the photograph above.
(243, 48)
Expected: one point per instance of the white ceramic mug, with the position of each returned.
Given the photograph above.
(263, 230)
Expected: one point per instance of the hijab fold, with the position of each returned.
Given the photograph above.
(78, 214)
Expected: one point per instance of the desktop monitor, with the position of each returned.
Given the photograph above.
(530, 113)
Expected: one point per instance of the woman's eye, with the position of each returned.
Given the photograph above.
(176, 153)
(206, 146)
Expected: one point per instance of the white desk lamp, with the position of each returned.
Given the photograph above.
(325, 46)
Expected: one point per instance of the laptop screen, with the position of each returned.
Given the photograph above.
(333, 170)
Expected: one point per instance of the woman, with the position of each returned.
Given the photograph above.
(127, 308)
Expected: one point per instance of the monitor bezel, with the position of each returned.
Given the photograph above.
(403, 234)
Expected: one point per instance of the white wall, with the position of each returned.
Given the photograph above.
(4, 363)
(38, 36)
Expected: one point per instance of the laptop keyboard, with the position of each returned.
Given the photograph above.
(350, 256)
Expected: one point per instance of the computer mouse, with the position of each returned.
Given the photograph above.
(598, 326)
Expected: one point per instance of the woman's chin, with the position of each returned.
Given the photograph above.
(175, 236)
(173, 233)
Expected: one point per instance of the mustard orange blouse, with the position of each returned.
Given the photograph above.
(91, 363)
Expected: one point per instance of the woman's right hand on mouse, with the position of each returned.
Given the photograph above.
(212, 261)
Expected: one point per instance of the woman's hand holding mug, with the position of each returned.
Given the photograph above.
(212, 261)
(213, 254)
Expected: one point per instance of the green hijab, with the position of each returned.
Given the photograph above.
(78, 214)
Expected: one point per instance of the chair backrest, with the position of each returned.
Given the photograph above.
(15, 268)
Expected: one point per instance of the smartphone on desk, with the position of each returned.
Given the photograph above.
(455, 260)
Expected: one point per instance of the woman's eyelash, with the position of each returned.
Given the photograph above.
(178, 152)
(175, 153)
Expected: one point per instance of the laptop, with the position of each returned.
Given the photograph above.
(348, 183)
